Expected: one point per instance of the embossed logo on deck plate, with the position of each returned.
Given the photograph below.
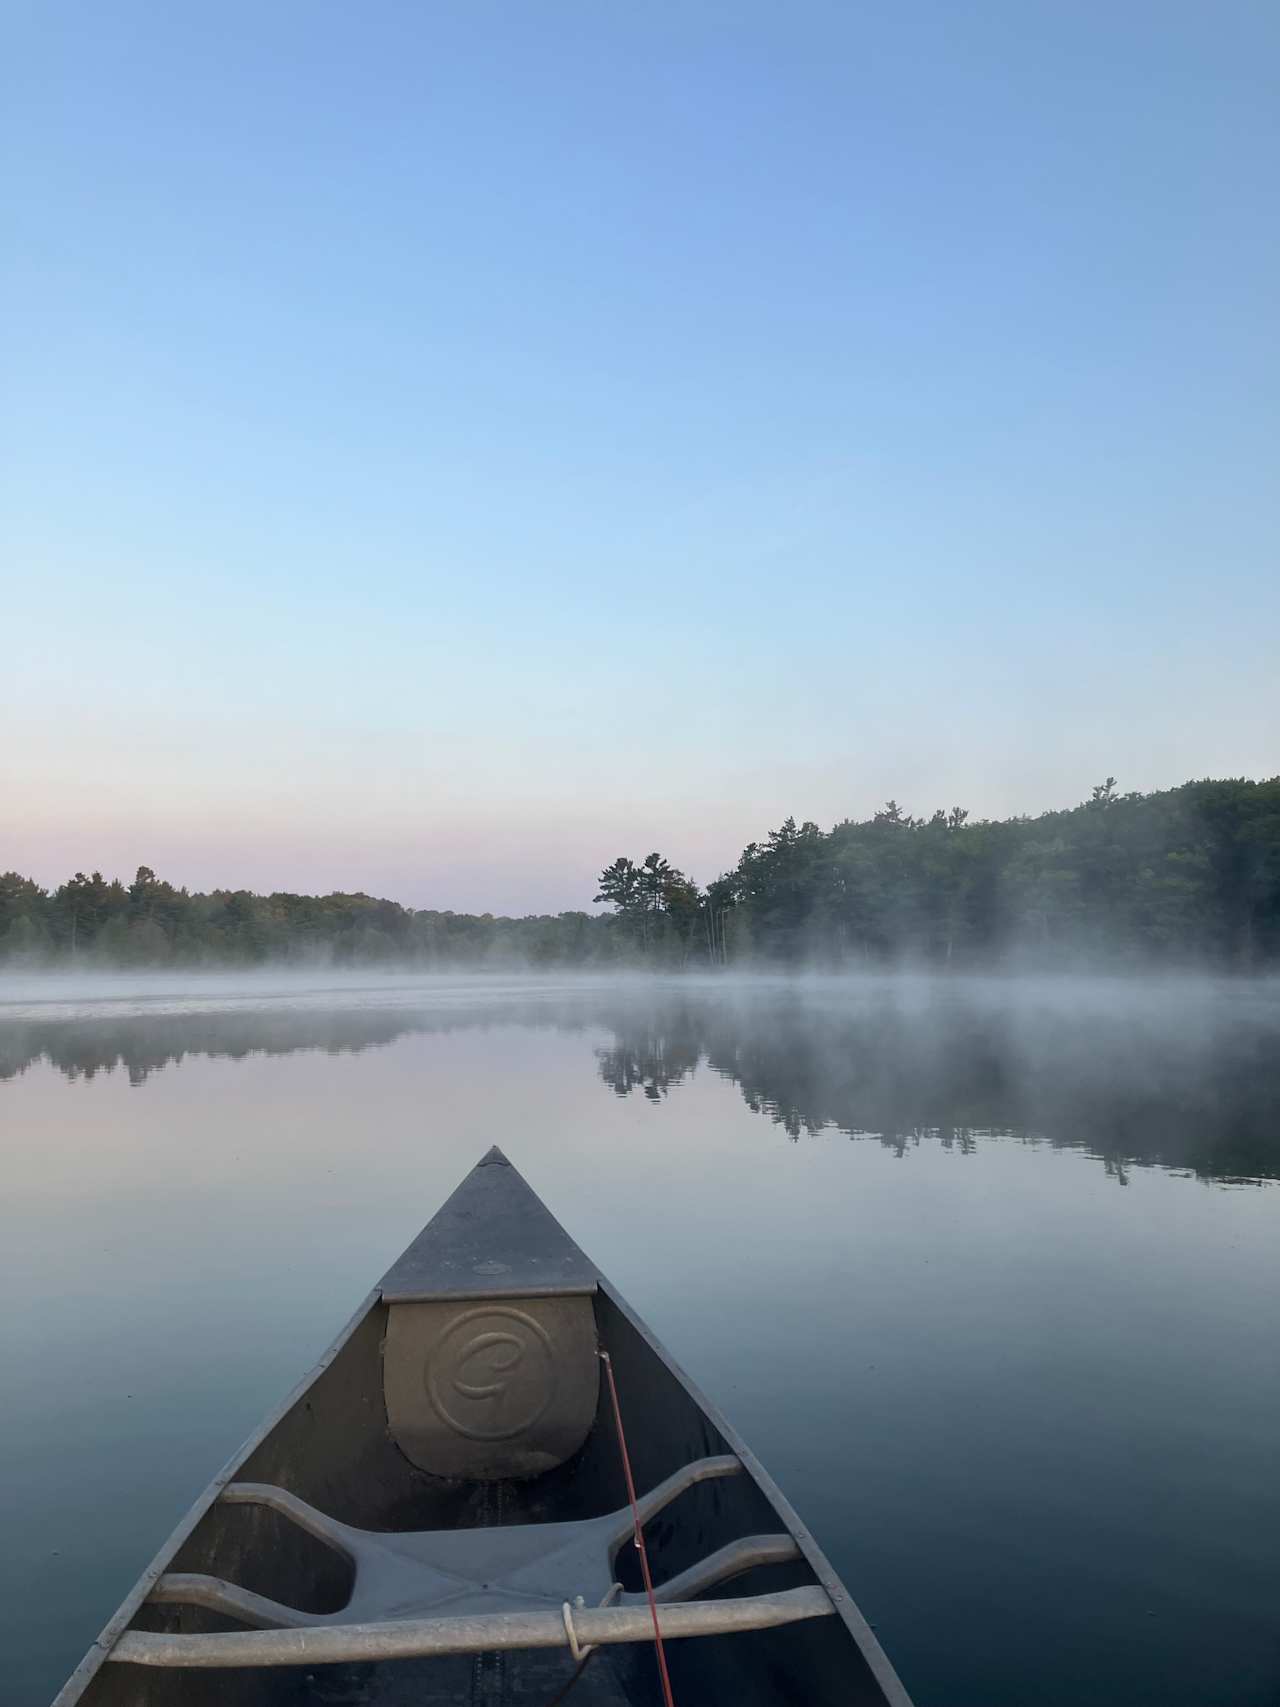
(491, 1374)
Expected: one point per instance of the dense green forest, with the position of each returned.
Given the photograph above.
(1188, 874)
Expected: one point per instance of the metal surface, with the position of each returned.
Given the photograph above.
(79, 1684)
(502, 1387)
(494, 1238)
(409, 1574)
(734, 1559)
(883, 1679)
(329, 1445)
(413, 1638)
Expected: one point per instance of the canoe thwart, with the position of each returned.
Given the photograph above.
(416, 1638)
(732, 1560)
(479, 1359)
(661, 1496)
(216, 1594)
(314, 1523)
(177, 1588)
(410, 1574)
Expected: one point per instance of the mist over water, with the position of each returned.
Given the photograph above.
(987, 1270)
(1183, 1072)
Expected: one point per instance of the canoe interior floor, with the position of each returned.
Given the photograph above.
(487, 1680)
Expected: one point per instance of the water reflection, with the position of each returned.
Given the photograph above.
(1197, 1090)
(1186, 1077)
(1032, 1417)
(140, 1046)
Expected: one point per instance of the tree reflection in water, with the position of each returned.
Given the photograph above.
(1182, 1076)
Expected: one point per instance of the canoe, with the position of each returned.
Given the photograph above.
(462, 1501)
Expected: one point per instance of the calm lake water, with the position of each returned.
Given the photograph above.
(988, 1274)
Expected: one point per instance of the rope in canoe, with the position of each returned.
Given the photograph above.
(639, 1531)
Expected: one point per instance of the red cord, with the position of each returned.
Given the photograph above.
(639, 1535)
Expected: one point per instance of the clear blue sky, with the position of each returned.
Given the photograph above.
(445, 447)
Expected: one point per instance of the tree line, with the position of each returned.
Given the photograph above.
(1182, 875)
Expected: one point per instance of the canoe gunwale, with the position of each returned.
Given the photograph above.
(846, 1608)
(124, 1614)
(384, 1297)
